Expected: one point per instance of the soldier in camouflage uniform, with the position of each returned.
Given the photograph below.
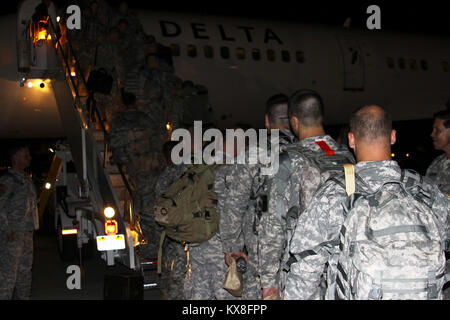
(370, 136)
(305, 115)
(206, 268)
(439, 170)
(132, 145)
(109, 58)
(238, 219)
(163, 87)
(18, 219)
(94, 27)
(173, 255)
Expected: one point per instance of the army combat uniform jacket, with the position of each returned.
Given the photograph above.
(301, 185)
(18, 203)
(439, 173)
(321, 223)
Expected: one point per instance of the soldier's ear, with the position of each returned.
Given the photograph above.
(351, 140)
(393, 136)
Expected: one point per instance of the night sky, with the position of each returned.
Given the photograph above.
(429, 17)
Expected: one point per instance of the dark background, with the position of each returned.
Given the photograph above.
(430, 17)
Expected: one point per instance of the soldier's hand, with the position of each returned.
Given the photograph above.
(235, 255)
(228, 259)
(270, 293)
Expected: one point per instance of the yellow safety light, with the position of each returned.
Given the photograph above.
(109, 212)
(111, 227)
(69, 231)
(392, 155)
(407, 155)
(73, 73)
(168, 126)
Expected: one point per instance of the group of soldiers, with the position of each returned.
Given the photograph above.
(291, 256)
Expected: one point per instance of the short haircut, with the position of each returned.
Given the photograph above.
(371, 123)
(16, 148)
(276, 109)
(443, 115)
(307, 106)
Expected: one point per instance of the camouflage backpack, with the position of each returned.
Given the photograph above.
(184, 211)
(327, 161)
(390, 245)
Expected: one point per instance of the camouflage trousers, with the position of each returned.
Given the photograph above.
(251, 289)
(206, 272)
(145, 185)
(173, 269)
(16, 260)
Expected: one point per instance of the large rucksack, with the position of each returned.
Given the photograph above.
(327, 161)
(390, 245)
(183, 209)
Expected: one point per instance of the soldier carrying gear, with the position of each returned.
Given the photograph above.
(392, 220)
(304, 165)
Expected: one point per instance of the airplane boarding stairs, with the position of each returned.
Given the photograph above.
(101, 182)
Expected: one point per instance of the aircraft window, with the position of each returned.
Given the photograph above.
(285, 56)
(390, 62)
(240, 53)
(413, 64)
(256, 54)
(175, 50)
(401, 63)
(191, 51)
(225, 52)
(423, 65)
(270, 55)
(209, 51)
(300, 56)
(445, 66)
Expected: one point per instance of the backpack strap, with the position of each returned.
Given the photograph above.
(295, 258)
(350, 185)
(160, 251)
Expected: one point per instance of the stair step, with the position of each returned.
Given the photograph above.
(111, 168)
(116, 180)
(121, 192)
(99, 135)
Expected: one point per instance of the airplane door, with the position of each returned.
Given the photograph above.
(353, 63)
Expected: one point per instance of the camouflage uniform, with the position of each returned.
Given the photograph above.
(108, 58)
(93, 28)
(301, 184)
(207, 269)
(18, 215)
(174, 255)
(439, 173)
(238, 220)
(322, 220)
(131, 144)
